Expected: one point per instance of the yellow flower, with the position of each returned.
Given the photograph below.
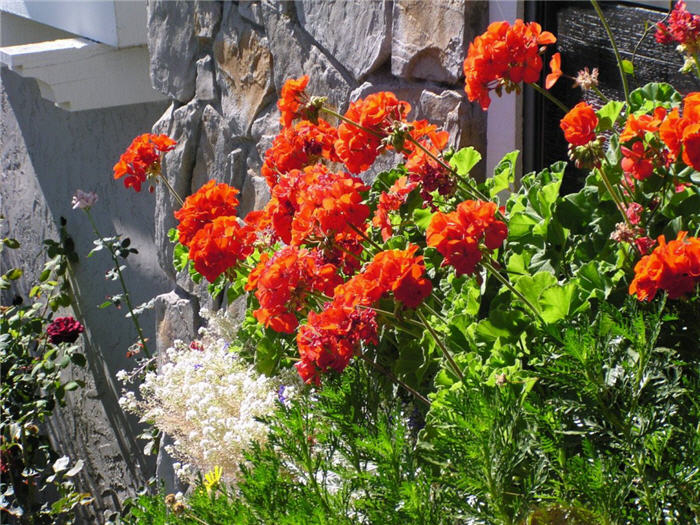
(212, 479)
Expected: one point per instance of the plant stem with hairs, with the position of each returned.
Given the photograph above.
(127, 298)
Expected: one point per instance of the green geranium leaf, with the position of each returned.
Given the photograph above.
(180, 257)
(607, 115)
(422, 217)
(556, 302)
(465, 159)
(653, 95)
(503, 174)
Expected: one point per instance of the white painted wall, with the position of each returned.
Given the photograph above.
(504, 118)
(116, 23)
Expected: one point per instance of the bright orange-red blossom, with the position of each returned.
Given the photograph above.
(391, 201)
(400, 272)
(219, 245)
(579, 124)
(458, 235)
(296, 147)
(357, 147)
(282, 283)
(682, 134)
(141, 159)
(330, 339)
(637, 127)
(556, 72)
(504, 54)
(331, 203)
(290, 102)
(209, 202)
(673, 267)
(637, 161)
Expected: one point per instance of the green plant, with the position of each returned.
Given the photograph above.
(36, 485)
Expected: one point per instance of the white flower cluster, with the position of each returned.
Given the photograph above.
(209, 400)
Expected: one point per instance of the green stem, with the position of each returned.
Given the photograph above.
(600, 94)
(473, 192)
(487, 262)
(127, 299)
(615, 197)
(171, 190)
(420, 397)
(546, 94)
(442, 346)
(620, 67)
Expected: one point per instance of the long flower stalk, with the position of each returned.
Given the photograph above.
(488, 264)
(546, 94)
(620, 67)
(441, 344)
(127, 298)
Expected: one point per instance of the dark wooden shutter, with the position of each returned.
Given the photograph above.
(582, 42)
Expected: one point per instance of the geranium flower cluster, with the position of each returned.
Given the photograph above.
(673, 267)
(649, 142)
(313, 231)
(682, 28)
(141, 160)
(330, 339)
(460, 236)
(210, 402)
(503, 57)
(210, 229)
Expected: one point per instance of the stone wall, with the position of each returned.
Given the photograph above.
(223, 64)
(47, 153)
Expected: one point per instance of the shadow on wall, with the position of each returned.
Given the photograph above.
(46, 154)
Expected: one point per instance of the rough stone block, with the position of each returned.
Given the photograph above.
(356, 33)
(183, 125)
(251, 11)
(430, 39)
(177, 317)
(206, 89)
(173, 47)
(212, 150)
(294, 54)
(243, 70)
(207, 16)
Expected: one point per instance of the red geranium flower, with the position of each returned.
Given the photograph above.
(683, 28)
(556, 72)
(358, 147)
(142, 159)
(64, 330)
(458, 235)
(282, 283)
(673, 266)
(219, 245)
(579, 124)
(637, 161)
(209, 202)
(504, 55)
(291, 99)
(297, 147)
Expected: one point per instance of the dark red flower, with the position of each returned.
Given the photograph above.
(64, 330)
